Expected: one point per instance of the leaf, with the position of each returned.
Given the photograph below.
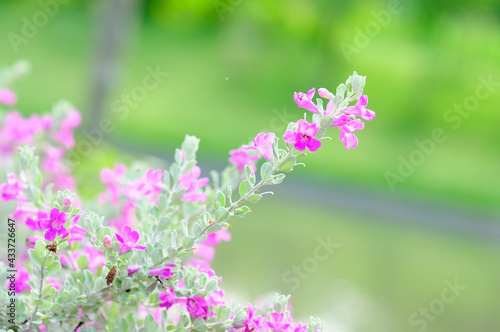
(221, 214)
(242, 211)
(34, 259)
(54, 268)
(249, 176)
(254, 198)
(244, 188)
(287, 164)
(266, 170)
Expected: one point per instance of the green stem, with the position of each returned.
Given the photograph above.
(39, 298)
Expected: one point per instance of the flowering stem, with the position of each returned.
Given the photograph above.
(39, 298)
(233, 206)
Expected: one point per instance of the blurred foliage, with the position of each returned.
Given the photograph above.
(233, 77)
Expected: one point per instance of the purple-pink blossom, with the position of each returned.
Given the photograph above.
(128, 239)
(191, 182)
(241, 157)
(13, 189)
(347, 126)
(197, 307)
(131, 269)
(65, 133)
(165, 272)
(21, 282)
(54, 225)
(107, 241)
(304, 100)
(167, 299)
(278, 322)
(264, 144)
(360, 109)
(7, 97)
(111, 178)
(304, 136)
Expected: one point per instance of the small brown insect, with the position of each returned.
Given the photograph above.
(111, 275)
(210, 222)
(52, 247)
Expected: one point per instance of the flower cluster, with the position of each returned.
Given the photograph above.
(143, 263)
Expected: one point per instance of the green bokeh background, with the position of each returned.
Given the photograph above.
(229, 77)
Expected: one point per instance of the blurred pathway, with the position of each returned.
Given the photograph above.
(363, 202)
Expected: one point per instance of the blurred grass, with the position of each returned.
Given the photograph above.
(399, 268)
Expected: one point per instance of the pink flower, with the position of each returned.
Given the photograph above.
(165, 272)
(197, 307)
(133, 269)
(305, 100)
(241, 158)
(347, 126)
(360, 109)
(278, 322)
(304, 136)
(7, 97)
(112, 177)
(191, 183)
(167, 299)
(22, 278)
(33, 223)
(325, 93)
(216, 298)
(107, 241)
(54, 282)
(264, 144)
(128, 239)
(13, 189)
(54, 224)
(151, 185)
(65, 133)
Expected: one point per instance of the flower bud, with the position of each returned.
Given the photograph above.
(106, 240)
(67, 201)
(325, 93)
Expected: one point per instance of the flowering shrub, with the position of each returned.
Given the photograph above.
(138, 257)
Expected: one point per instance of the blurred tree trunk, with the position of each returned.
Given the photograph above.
(115, 23)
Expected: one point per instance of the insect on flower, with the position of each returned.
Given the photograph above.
(111, 276)
(52, 247)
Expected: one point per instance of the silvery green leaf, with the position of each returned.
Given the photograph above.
(254, 198)
(82, 261)
(321, 133)
(214, 228)
(221, 198)
(34, 259)
(277, 179)
(317, 118)
(166, 179)
(287, 164)
(266, 170)
(244, 188)
(127, 283)
(249, 176)
(242, 211)
(326, 122)
(341, 90)
(187, 242)
(40, 248)
(162, 202)
(151, 287)
(53, 268)
(163, 224)
(221, 214)
(337, 100)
